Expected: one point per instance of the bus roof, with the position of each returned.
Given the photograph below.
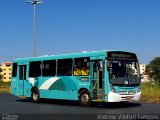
(71, 55)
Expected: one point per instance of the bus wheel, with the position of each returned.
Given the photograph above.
(84, 98)
(35, 96)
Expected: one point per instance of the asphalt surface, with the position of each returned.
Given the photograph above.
(15, 108)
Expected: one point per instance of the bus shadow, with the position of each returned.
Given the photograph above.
(75, 103)
(51, 101)
(116, 105)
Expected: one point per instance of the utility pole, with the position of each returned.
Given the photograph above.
(34, 3)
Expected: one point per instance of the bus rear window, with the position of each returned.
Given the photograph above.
(14, 70)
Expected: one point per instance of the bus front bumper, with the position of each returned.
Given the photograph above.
(115, 97)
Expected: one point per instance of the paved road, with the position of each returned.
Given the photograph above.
(10, 106)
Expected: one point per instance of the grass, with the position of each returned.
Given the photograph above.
(150, 92)
(4, 87)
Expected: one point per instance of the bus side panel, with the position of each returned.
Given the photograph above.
(59, 94)
(59, 87)
(14, 86)
(15, 81)
(27, 90)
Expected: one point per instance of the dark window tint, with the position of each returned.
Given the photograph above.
(65, 67)
(95, 70)
(22, 72)
(49, 68)
(81, 66)
(35, 69)
(14, 70)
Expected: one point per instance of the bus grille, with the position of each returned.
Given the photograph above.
(127, 92)
(128, 98)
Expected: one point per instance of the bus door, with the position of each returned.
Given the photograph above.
(22, 79)
(97, 79)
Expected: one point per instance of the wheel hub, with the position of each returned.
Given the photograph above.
(85, 98)
(35, 96)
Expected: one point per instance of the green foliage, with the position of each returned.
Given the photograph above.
(150, 92)
(5, 87)
(153, 70)
(4, 84)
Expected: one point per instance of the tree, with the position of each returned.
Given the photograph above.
(153, 69)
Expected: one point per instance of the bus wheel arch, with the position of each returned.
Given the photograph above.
(35, 95)
(84, 97)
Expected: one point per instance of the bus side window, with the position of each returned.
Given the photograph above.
(95, 70)
(49, 68)
(35, 69)
(14, 70)
(81, 66)
(64, 67)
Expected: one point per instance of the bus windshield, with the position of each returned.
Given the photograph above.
(124, 72)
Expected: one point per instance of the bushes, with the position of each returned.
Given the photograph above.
(153, 70)
(4, 84)
(4, 87)
(150, 92)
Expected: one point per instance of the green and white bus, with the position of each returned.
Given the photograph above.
(106, 76)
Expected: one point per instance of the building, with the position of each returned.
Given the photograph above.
(142, 68)
(6, 71)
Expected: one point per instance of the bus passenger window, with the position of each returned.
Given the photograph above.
(64, 67)
(35, 69)
(49, 68)
(95, 70)
(14, 70)
(81, 66)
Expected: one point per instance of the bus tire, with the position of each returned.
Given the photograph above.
(35, 96)
(84, 98)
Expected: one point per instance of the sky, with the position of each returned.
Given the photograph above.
(71, 26)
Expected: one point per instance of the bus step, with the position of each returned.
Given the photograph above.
(22, 97)
(98, 100)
